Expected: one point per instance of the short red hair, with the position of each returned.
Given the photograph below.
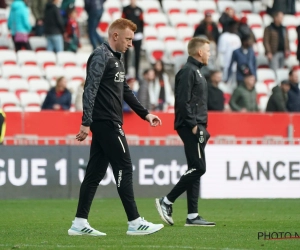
(122, 24)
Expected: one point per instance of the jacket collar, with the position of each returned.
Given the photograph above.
(115, 53)
(195, 62)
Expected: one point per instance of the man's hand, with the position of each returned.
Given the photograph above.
(56, 107)
(153, 120)
(194, 130)
(83, 133)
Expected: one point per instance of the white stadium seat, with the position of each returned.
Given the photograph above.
(4, 87)
(31, 72)
(194, 19)
(39, 86)
(18, 86)
(262, 103)
(254, 20)
(185, 33)
(179, 20)
(167, 33)
(150, 33)
(266, 75)
(66, 58)
(11, 71)
(155, 50)
(222, 5)
(38, 43)
(8, 57)
(9, 99)
(74, 73)
(46, 58)
(172, 6)
(112, 6)
(174, 49)
(243, 7)
(30, 99)
(54, 72)
(26, 57)
(82, 58)
(156, 19)
(207, 5)
(189, 7)
(149, 6)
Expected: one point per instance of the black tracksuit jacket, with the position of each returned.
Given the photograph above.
(106, 88)
(190, 95)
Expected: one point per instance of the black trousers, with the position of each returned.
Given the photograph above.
(109, 145)
(194, 145)
(137, 51)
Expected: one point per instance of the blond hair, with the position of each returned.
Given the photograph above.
(195, 43)
(121, 24)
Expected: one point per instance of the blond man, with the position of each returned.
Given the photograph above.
(190, 123)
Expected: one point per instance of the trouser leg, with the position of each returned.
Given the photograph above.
(194, 150)
(116, 149)
(95, 172)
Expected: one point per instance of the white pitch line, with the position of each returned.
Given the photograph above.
(109, 246)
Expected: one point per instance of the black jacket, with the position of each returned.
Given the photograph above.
(215, 98)
(202, 29)
(106, 88)
(277, 101)
(225, 20)
(53, 21)
(293, 103)
(190, 95)
(135, 15)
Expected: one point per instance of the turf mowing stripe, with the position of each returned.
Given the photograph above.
(109, 246)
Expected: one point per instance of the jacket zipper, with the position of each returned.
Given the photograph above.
(199, 152)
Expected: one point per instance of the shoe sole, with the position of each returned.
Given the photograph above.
(75, 233)
(158, 207)
(197, 225)
(140, 233)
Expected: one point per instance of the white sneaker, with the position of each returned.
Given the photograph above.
(84, 230)
(143, 227)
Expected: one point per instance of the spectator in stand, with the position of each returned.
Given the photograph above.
(2, 125)
(244, 96)
(65, 8)
(143, 92)
(130, 82)
(228, 42)
(160, 91)
(3, 4)
(245, 31)
(58, 97)
(38, 8)
(208, 28)
(227, 17)
(278, 100)
(19, 25)
(72, 35)
(276, 42)
(245, 60)
(286, 6)
(135, 14)
(293, 103)
(54, 27)
(94, 9)
(78, 98)
(215, 95)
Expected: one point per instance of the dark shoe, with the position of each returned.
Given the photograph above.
(164, 210)
(199, 221)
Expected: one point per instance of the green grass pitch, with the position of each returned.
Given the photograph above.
(43, 224)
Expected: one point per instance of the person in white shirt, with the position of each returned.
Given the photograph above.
(228, 42)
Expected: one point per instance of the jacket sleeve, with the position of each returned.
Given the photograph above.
(133, 102)
(286, 40)
(234, 99)
(266, 40)
(95, 68)
(254, 63)
(184, 96)
(25, 17)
